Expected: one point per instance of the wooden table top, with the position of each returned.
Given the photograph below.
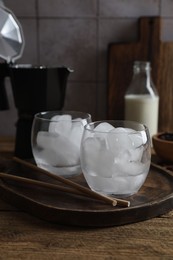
(23, 236)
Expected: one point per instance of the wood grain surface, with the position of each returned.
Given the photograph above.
(149, 47)
(23, 236)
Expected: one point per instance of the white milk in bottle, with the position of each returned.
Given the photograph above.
(141, 98)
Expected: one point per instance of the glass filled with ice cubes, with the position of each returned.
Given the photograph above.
(115, 156)
(56, 139)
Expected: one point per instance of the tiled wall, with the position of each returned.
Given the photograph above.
(76, 33)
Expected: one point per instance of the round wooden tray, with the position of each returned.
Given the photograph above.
(153, 199)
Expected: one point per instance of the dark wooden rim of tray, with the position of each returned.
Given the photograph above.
(154, 198)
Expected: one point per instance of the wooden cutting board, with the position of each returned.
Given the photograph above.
(151, 48)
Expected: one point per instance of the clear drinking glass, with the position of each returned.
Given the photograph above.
(56, 138)
(115, 156)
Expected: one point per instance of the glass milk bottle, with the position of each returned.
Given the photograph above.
(141, 98)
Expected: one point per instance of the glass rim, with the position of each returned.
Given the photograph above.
(121, 122)
(40, 115)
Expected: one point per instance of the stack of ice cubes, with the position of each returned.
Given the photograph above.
(59, 147)
(115, 159)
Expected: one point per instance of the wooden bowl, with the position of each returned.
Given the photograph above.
(163, 145)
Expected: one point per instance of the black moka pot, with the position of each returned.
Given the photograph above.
(35, 88)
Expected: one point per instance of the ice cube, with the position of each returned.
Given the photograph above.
(144, 137)
(129, 168)
(83, 121)
(116, 185)
(121, 185)
(46, 140)
(123, 144)
(76, 132)
(132, 137)
(57, 149)
(101, 184)
(96, 157)
(128, 185)
(101, 131)
(67, 153)
(48, 156)
(118, 141)
(136, 154)
(138, 138)
(61, 124)
(120, 130)
(104, 127)
(126, 140)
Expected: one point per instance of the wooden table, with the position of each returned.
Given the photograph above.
(23, 236)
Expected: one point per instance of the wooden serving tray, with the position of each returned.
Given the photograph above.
(153, 199)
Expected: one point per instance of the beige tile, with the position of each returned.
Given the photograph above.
(72, 43)
(81, 97)
(22, 8)
(66, 8)
(126, 8)
(110, 31)
(30, 53)
(167, 8)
